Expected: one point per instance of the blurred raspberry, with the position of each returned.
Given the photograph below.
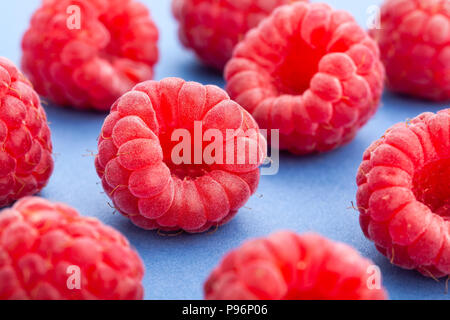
(25, 145)
(43, 245)
(414, 40)
(404, 194)
(286, 266)
(212, 28)
(147, 182)
(309, 71)
(90, 65)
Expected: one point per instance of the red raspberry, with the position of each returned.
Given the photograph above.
(26, 149)
(114, 48)
(414, 41)
(212, 28)
(310, 72)
(404, 194)
(41, 241)
(137, 168)
(287, 266)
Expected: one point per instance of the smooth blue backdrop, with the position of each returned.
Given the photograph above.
(309, 193)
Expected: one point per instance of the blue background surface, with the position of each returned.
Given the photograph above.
(309, 193)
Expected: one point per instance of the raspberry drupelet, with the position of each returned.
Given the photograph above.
(87, 53)
(212, 28)
(49, 252)
(404, 194)
(414, 40)
(26, 162)
(141, 171)
(287, 266)
(309, 71)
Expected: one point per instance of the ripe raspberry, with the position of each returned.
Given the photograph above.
(310, 72)
(287, 266)
(404, 194)
(39, 243)
(212, 28)
(145, 181)
(414, 41)
(25, 146)
(91, 64)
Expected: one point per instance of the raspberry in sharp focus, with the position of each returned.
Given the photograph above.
(87, 53)
(25, 145)
(212, 28)
(48, 251)
(149, 185)
(414, 40)
(287, 266)
(309, 71)
(404, 194)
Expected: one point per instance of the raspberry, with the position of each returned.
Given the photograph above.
(310, 72)
(212, 28)
(26, 149)
(41, 243)
(136, 161)
(89, 65)
(404, 194)
(414, 41)
(287, 266)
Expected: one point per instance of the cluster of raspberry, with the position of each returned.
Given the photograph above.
(305, 70)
